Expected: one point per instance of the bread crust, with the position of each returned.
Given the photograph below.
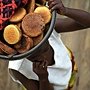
(30, 6)
(7, 49)
(38, 39)
(18, 16)
(44, 12)
(24, 45)
(12, 34)
(33, 24)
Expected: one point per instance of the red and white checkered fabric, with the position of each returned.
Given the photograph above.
(7, 9)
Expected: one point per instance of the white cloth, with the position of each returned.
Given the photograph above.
(59, 73)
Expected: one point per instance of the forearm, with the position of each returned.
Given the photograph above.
(68, 25)
(78, 20)
(45, 85)
(80, 16)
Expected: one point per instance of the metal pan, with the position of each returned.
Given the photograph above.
(37, 47)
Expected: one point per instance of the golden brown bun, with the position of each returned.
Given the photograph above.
(18, 16)
(37, 40)
(30, 6)
(45, 13)
(6, 49)
(12, 34)
(33, 24)
(24, 45)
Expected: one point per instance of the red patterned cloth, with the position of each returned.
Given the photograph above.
(24, 1)
(7, 9)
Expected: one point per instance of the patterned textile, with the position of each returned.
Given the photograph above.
(7, 9)
(24, 1)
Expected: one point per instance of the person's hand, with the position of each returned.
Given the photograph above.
(40, 68)
(57, 5)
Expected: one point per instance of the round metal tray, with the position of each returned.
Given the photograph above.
(34, 49)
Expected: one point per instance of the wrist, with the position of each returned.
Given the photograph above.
(67, 11)
(62, 10)
(43, 78)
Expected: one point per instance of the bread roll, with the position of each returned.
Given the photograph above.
(12, 34)
(33, 24)
(24, 45)
(7, 49)
(18, 16)
(44, 12)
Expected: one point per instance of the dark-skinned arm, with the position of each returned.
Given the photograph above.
(77, 19)
(45, 85)
(40, 68)
(68, 25)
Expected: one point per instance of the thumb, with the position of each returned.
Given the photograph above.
(54, 8)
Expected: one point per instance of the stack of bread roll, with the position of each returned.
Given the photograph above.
(26, 28)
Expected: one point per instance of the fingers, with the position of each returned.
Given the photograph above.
(51, 3)
(40, 65)
(43, 65)
(36, 64)
(54, 7)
